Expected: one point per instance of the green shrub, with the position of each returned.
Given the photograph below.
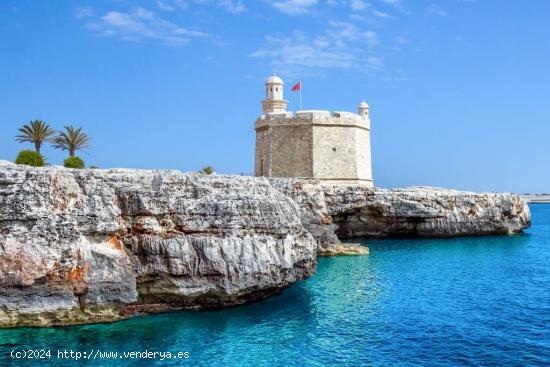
(73, 162)
(208, 170)
(30, 158)
(93, 167)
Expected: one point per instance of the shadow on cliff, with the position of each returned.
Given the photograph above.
(289, 309)
(467, 242)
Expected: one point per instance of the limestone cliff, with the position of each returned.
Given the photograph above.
(81, 246)
(423, 211)
(91, 245)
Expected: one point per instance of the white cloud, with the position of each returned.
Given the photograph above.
(358, 5)
(84, 12)
(381, 14)
(357, 17)
(294, 6)
(342, 45)
(163, 6)
(394, 3)
(374, 63)
(232, 6)
(436, 10)
(402, 40)
(371, 38)
(141, 24)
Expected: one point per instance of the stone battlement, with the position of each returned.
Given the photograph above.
(313, 117)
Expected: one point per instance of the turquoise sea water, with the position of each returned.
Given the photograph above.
(481, 301)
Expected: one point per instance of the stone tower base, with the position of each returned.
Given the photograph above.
(332, 147)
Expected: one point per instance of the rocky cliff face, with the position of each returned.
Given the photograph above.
(81, 246)
(423, 211)
(89, 245)
(313, 211)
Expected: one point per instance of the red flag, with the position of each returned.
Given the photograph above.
(297, 87)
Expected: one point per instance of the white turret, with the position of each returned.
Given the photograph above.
(274, 88)
(274, 102)
(364, 110)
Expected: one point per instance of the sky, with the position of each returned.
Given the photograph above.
(459, 90)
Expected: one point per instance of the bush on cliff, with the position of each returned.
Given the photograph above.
(30, 158)
(73, 162)
(208, 170)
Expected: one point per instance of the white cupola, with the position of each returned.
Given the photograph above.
(364, 109)
(274, 88)
(274, 101)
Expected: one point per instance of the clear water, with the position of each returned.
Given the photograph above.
(463, 301)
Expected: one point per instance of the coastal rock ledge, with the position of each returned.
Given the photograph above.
(423, 212)
(82, 246)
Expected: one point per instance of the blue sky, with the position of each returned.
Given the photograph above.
(459, 90)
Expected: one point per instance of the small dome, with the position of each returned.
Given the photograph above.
(363, 105)
(274, 80)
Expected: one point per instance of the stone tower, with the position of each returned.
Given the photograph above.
(333, 147)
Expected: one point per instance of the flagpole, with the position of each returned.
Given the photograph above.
(300, 95)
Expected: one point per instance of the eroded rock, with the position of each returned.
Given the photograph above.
(423, 211)
(95, 245)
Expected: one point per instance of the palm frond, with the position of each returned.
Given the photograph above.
(71, 139)
(37, 132)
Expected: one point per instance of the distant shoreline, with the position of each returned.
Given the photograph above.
(537, 198)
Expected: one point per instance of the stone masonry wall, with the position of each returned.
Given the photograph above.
(363, 154)
(290, 151)
(261, 164)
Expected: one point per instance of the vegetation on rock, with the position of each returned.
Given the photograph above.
(208, 170)
(73, 162)
(30, 158)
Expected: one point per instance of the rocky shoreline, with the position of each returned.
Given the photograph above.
(82, 246)
(424, 212)
(536, 198)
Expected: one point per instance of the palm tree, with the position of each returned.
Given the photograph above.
(71, 139)
(37, 132)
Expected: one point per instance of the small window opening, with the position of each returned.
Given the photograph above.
(262, 167)
(334, 149)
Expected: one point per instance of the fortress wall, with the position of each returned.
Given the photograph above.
(261, 165)
(338, 147)
(290, 148)
(334, 152)
(363, 153)
(319, 144)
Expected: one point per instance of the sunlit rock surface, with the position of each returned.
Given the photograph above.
(96, 245)
(423, 211)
